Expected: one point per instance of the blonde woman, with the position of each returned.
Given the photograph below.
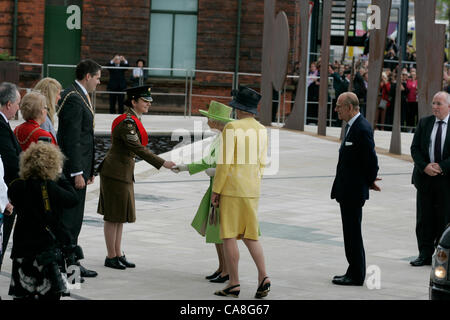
(51, 89)
(38, 198)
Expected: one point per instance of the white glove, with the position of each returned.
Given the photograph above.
(179, 167)
(210, 172)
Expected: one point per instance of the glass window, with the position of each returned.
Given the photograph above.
(173, 36)
(161, 43)
(184, 43)
(175, 5)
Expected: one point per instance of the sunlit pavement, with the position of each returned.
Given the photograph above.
(301, 227)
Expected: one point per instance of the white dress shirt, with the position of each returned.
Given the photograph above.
(433, 137)
(3, 189)
(351, 121)
(138, 72)
(6, 119)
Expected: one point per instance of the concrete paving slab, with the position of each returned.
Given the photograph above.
(301, 229)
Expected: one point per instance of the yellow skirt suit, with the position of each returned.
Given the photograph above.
(238, 178)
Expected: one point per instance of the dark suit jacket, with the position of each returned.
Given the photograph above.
(419, 152)
(358, 86)
(30, 236)
(9, 150)
(76, 132)
(358, 164)
(117, 80)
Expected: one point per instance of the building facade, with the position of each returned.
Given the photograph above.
(210, 39)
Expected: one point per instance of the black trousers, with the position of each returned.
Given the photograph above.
(412, 114)
(113, 97)
(433, 214)
(351, 214)
(8, 223)
(72, 218)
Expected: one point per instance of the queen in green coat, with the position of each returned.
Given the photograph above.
(205, 221)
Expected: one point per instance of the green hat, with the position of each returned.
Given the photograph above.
(218, 111)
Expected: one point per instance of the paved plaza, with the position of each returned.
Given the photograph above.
(301, 227)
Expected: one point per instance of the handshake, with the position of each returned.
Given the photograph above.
(184, 167)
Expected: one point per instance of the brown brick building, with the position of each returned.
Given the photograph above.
(186, 34)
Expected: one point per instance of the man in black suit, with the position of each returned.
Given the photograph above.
(430, 151)
(9, 150)
(76, 140)
(356, 173)
(117, 83)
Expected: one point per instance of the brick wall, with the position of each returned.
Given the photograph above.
(111, 27)
(30, 33)
(216, 37)
(6, 20)
(30, 30)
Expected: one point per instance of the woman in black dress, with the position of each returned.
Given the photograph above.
(38, 197)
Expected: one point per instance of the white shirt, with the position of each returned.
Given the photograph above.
(82, 87)
(3, 189)
(138, 72)
(6, 119)
(118, 65)
(351, 121)
(433, 136)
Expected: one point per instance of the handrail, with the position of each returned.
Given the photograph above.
(189, 83)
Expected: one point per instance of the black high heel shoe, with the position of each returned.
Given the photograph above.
(228, 293)
(220, 279)
(263, 289)
(214, 275)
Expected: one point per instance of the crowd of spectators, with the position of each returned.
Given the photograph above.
(341, 75)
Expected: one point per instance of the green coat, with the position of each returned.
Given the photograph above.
(201, 221)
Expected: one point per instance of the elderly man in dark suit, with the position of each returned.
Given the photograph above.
(430, 151)
(117, 82)
(9, 150)
(76, 140)
(356, 173)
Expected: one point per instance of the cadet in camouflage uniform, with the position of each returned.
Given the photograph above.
(116, 202)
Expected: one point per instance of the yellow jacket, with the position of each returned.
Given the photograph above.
(241, 159)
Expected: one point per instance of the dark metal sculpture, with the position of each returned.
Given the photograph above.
(296, 119)
(396, 141)
(280, 51)
(265, 115)
(325, 58)
(376, 58)
(430, 39)
(275, 57)
(348, 18)
(350, 89)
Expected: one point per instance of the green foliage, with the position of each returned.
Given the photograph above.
(442, 9)
(4, 56)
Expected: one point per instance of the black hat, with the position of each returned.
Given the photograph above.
(245, 99)
(135, 93)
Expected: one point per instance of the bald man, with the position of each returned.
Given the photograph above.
(430, 151)
(356, 173)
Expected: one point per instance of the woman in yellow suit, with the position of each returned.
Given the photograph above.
(218, 115)
(236, 189)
